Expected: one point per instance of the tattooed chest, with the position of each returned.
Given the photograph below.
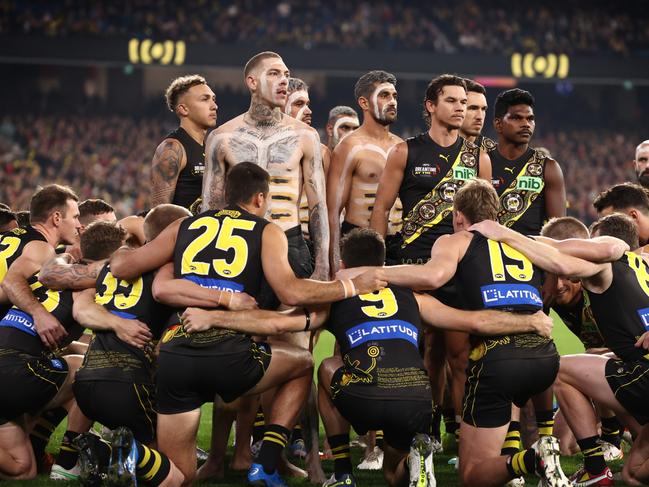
(280, 150)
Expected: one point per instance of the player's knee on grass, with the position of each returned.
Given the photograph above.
(17, 464)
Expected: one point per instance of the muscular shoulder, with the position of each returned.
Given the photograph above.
(38, 251)
(229, 126)
(454, 243)
(396, 139)
(169, 144)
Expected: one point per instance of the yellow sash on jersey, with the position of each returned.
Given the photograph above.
(438, 203)
(523, 190)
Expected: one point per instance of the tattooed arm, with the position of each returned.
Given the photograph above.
(169, 159)
(215, 168)
(314, 186)
(61, 273)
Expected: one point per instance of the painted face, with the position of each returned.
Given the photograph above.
(297, 106)
(383, 104)
(344, 126)
(200, 103)
(517, 125)
(641, 164)
(69, 225)
(273, 82)
(567, 291)
(476, 110)
(450, 108)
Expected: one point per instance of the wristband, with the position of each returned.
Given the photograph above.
(223, 294)
(308, 319)
(353, 290)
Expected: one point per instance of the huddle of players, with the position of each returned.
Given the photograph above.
(218, 258)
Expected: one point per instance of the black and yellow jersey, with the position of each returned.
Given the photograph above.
(12, 244)
(485, 143)
(520, 185)
(493, 275)
(580, 320)
(17, 328)
(190, 180)
(622, 311)
(221, 250)
(108, 357)
(380, 335)
(432, 176)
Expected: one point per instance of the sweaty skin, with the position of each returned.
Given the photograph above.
(356, 167)
(288, 149)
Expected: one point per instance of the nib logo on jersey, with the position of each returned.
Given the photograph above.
(382, 330)
(218, 284)
(464, 173)
(644, 317)
(504, 295)
(529, 183)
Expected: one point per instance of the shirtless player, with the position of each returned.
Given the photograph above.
(287, 148)
(358, 161)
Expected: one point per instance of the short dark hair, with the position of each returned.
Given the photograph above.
(5, 206)
(296, 84)
(563, 227)
(362, 246)
(619, 226)
(510, 98)
(477, 200)
(475, 87)
(435, 87)
(245, 180)
(161, 217)
(367, 83)
(92, 207)
(6, 217)
(255, 60)
(101, 239)
(623, 196)
(22, 217)
(179, 87)
(48, 199)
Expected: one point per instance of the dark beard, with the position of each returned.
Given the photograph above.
(385, 123)
(643, 179)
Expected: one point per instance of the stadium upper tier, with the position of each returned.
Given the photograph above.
(443, 26)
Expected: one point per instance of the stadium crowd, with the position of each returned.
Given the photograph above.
(81, 151)
(343, 228)
(447, 27)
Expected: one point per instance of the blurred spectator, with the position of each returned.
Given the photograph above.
(447, 26)
(108, 157)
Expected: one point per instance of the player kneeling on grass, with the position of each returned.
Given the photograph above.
(37, 378)
(380, 381)
(119, 367)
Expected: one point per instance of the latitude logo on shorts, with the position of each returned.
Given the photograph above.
(497, 295)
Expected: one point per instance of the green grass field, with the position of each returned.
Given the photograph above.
(445, 473)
